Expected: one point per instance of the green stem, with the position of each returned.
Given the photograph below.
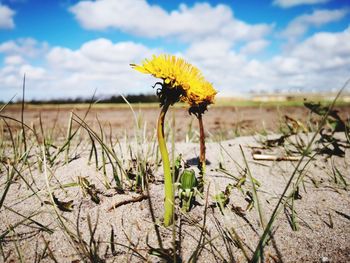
(168, 181)
(202, 158)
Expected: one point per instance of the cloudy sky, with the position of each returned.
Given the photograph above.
(69, 48)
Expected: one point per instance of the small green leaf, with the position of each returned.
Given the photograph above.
(187, 189)
(188, 180)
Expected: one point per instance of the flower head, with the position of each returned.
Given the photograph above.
(179, 75)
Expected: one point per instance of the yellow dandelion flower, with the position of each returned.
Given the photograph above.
(181, 75)
(181, 82)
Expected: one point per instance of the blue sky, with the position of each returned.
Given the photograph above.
(69, 48)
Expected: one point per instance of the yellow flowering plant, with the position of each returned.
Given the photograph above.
(181, 82)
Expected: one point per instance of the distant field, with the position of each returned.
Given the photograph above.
(221, 102)
(226, 119)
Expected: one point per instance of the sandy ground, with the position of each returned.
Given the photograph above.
(322, 209)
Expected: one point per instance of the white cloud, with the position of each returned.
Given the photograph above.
(231, 73)
(11, 77)
(98, 56)
(292, 3)
(13, 60)
(33, 72)
(319, 53)
(187, 23)
(97, 64)
(209, 48)
(254, 46)
(26, 47)
(300, 25)
(319, 63)
(6, 17)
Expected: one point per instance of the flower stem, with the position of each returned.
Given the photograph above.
(202, 158)
(168, 182)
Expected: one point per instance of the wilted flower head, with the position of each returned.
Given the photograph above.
(180, 79)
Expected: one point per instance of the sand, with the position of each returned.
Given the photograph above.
(322, 209)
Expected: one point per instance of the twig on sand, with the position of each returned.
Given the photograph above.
(128, 201)
(269, 157)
